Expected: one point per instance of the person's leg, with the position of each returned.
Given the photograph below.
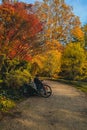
(39, 87)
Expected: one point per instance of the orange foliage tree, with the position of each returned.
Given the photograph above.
(59, 21)
(18, 30)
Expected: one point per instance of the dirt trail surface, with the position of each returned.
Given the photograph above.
(66, 109)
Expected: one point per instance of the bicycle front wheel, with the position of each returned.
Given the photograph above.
(48, 91)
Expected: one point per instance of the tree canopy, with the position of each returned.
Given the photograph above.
(18, 28)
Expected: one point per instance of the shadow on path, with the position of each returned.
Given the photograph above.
(66, 109)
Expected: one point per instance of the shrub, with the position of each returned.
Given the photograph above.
(6, 104)
(17, 78)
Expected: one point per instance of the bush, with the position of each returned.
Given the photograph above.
(17, 78)
(5, 103)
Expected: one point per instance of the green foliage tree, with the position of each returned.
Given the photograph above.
(73, 61)
(6, 104)
(14, 73)
(17, 79)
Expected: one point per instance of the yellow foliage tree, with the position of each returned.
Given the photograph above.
(37, 64)
(52, 63)
(77, 34)
(73, 61)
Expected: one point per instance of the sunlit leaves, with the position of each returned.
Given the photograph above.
(77, 34)
(52, 63)
(58, 19)
(73, 61)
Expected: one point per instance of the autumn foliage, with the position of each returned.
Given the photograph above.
(18, 29)
(44, 38)
(41, 38)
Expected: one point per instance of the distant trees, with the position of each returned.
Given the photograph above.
(62, 27)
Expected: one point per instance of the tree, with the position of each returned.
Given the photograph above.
(53, 45)
(9, 1)
(52, 63)
(73, 61)
(37, 64)
(58, 20)
(18, 30)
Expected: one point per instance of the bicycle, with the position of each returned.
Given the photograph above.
(31, 89)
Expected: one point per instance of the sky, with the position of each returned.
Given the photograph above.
(79, 8)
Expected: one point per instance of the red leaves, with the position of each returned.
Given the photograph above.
(27, 58)
(18, 27)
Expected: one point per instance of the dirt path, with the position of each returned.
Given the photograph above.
(66, 109)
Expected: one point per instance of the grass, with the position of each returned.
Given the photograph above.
(77, 84)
